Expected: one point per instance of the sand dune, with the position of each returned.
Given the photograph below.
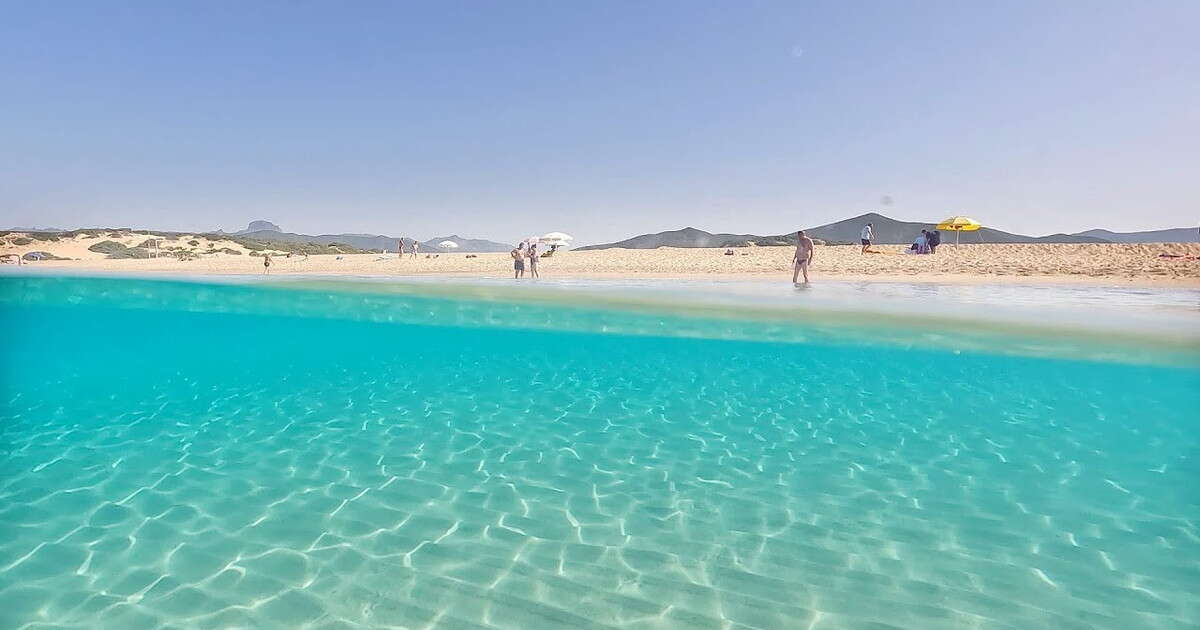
(76, 247)
(1113, 263)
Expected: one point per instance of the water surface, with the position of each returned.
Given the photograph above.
(213, 456)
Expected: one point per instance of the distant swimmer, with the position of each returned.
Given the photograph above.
(803, 257)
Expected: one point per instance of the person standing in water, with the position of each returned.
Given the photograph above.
(518, 256)
(533, 260)
(803, 257)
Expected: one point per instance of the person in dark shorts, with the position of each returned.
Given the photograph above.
(934, 239)
(518, 257)
(867, 234)
(802, 258)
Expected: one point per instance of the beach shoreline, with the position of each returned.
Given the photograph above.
(1093, 264)
(930, 279)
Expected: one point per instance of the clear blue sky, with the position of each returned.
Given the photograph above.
(603, 119)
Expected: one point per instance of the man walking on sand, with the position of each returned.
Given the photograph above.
(803, 257)
(867, 235)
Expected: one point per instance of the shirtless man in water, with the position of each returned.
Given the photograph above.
(803, 257)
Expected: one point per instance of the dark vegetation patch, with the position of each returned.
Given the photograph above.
(42, 256)
(117, 250)
(310, 248)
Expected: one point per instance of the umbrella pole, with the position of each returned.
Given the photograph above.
(957, 233)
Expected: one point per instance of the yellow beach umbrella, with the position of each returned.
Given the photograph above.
(959, 224)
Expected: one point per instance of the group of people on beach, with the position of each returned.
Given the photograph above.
(525, 251)
(413, 250)
(926, 243)
(525, 256)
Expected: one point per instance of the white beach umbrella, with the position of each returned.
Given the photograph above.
(448, 245)
(557, 239)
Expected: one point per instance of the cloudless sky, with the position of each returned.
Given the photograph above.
(601, 119)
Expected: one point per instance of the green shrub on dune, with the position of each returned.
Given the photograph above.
(117, 250)
(42, 256)
(311, 248)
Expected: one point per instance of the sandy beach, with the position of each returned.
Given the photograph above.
(1138, 265)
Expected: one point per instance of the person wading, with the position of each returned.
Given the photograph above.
(803, 257)
(518, 256)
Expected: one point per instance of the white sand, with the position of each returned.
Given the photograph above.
(1139, 264)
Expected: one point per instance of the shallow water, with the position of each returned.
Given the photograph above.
(210, 456)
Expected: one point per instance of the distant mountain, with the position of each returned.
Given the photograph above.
(260, 226)
(687, 237)
(466, 244)
(377, 241)
(889, 230)
(1174, 235)
(886, 230)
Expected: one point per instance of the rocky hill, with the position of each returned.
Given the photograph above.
(1173, 235)
(886, 229)
(368, 241)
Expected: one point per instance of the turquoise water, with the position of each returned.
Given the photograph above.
(190, 455)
